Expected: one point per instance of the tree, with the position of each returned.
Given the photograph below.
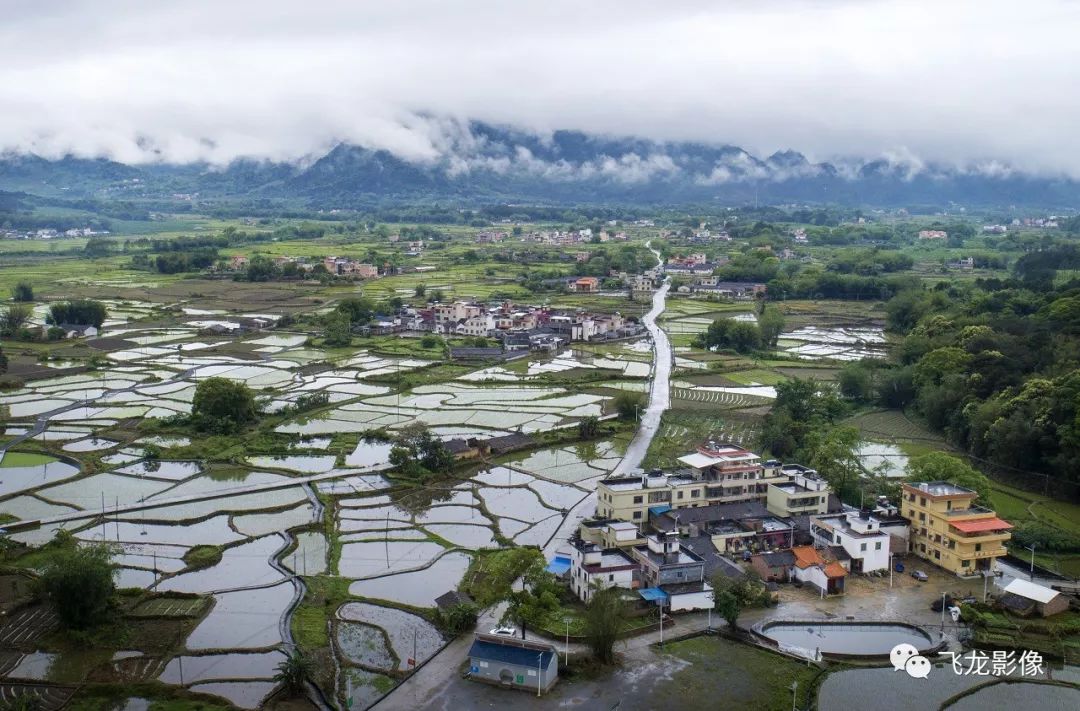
(538, 599)
(770, 325)
(727, 333)
(418, 453)
(458, 619)
(802, 406)
(588, 427)
(628, 405)
(22, 291)
(728, 605)
(604, 617)
(834, 453)
(419, 291)
(939, 466)
(15, 316)
(260, 268)
(222, 406)
(79, 580)
(359, 309)
(338, 330)
(80, 312)
(294, 671)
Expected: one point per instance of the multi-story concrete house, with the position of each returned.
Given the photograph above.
(593, 567)
(948, 529)
(677, 572)
(801, 491)
(859, 534)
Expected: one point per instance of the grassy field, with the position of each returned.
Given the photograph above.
(744, 677)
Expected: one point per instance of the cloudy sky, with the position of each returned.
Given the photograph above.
(964, 82)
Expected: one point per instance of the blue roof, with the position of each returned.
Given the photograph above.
(653, 594)
(508, 654)
(558, 565)
(659, 510)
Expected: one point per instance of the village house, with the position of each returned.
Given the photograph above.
(813, 568)
(803, 491)
(933, 234)
(593, 568)
(737, 290)
(774, 566)
(949, 530)
(677, 573)
(859, 534)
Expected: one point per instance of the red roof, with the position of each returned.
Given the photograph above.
(980, 525)
(835, 570)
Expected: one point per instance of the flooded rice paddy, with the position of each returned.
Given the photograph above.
(313, 508)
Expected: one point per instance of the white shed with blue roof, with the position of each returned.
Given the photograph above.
(514, 663)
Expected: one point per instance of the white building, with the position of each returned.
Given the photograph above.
(593, 567)
(859, 534)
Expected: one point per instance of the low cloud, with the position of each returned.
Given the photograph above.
(982, 85)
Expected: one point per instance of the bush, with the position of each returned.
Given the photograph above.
(629, 405)
(80, 583)
(458, 619)
(222, 406)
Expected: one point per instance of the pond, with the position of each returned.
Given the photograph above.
(1044, 697)
(411, 637)
(855, 638)
(418, 588)
(89, 445)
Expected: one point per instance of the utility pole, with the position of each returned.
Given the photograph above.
(1031, 548)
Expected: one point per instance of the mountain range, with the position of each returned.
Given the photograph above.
(487, 163)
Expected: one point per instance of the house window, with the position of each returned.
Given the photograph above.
(638, 499)
(637, 515)
(948, 505)
(911, 513)
(877, 546)
(965, 564)
(922, 547)
(695, 493)
(937, 555)
(922, 516)
(611, 577)
(922, 501)
(862, 547)
(978, 547)
(679, 495)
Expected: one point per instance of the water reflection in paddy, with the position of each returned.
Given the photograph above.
(247, 619)
(221, 666)
(309, 558)
(244, 565)
(465, 536)
(244, 694)
(361, 560)
(308, 464)
(18, 478)
(418, 588)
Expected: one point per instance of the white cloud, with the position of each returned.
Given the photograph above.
(987, 83)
